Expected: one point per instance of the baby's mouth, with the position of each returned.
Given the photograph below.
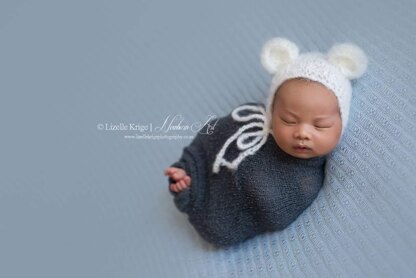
(302, 148)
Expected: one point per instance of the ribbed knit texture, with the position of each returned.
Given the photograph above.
(267, 192)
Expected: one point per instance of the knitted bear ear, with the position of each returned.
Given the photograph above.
(349, 58)
(276, 52)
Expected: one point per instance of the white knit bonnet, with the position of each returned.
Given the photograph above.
(334, 70)
(280, 57)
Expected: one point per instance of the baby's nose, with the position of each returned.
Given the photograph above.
(302, 132)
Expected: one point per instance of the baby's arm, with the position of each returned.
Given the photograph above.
(181, 178)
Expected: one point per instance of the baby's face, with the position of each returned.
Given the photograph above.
(306, 113)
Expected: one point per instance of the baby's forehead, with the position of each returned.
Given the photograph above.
(301, 91)
(308, 105)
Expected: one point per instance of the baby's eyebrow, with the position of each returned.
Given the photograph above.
(322, 118)
(319, 118)
(290, 112)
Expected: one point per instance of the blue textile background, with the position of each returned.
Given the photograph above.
(78, 199)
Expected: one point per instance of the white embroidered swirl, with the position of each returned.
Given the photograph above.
(258, 138)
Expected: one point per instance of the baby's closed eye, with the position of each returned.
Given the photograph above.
(289, 120)
(324, 123)
(323, 126)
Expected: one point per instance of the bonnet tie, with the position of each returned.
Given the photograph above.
(247, 142)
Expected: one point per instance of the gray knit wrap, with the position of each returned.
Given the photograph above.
(267, 191)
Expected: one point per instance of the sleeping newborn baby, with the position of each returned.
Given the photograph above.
(261, 166)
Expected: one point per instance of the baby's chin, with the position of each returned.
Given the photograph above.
(303, 155)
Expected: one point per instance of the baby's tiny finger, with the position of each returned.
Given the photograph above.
(173, 187)
(182, 184)
(178, 175)
(187, 180)
(168, 171)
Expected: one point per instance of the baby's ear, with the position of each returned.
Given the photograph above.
(349, 58)
(276, 52)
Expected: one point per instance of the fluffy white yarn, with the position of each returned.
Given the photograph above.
(349, 58)
(276, 52)
(258, 137)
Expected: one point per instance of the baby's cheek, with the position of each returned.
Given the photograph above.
(326, 143)
(279, 130)
(282, 134)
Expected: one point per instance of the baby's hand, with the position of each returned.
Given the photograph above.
(179, 175)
